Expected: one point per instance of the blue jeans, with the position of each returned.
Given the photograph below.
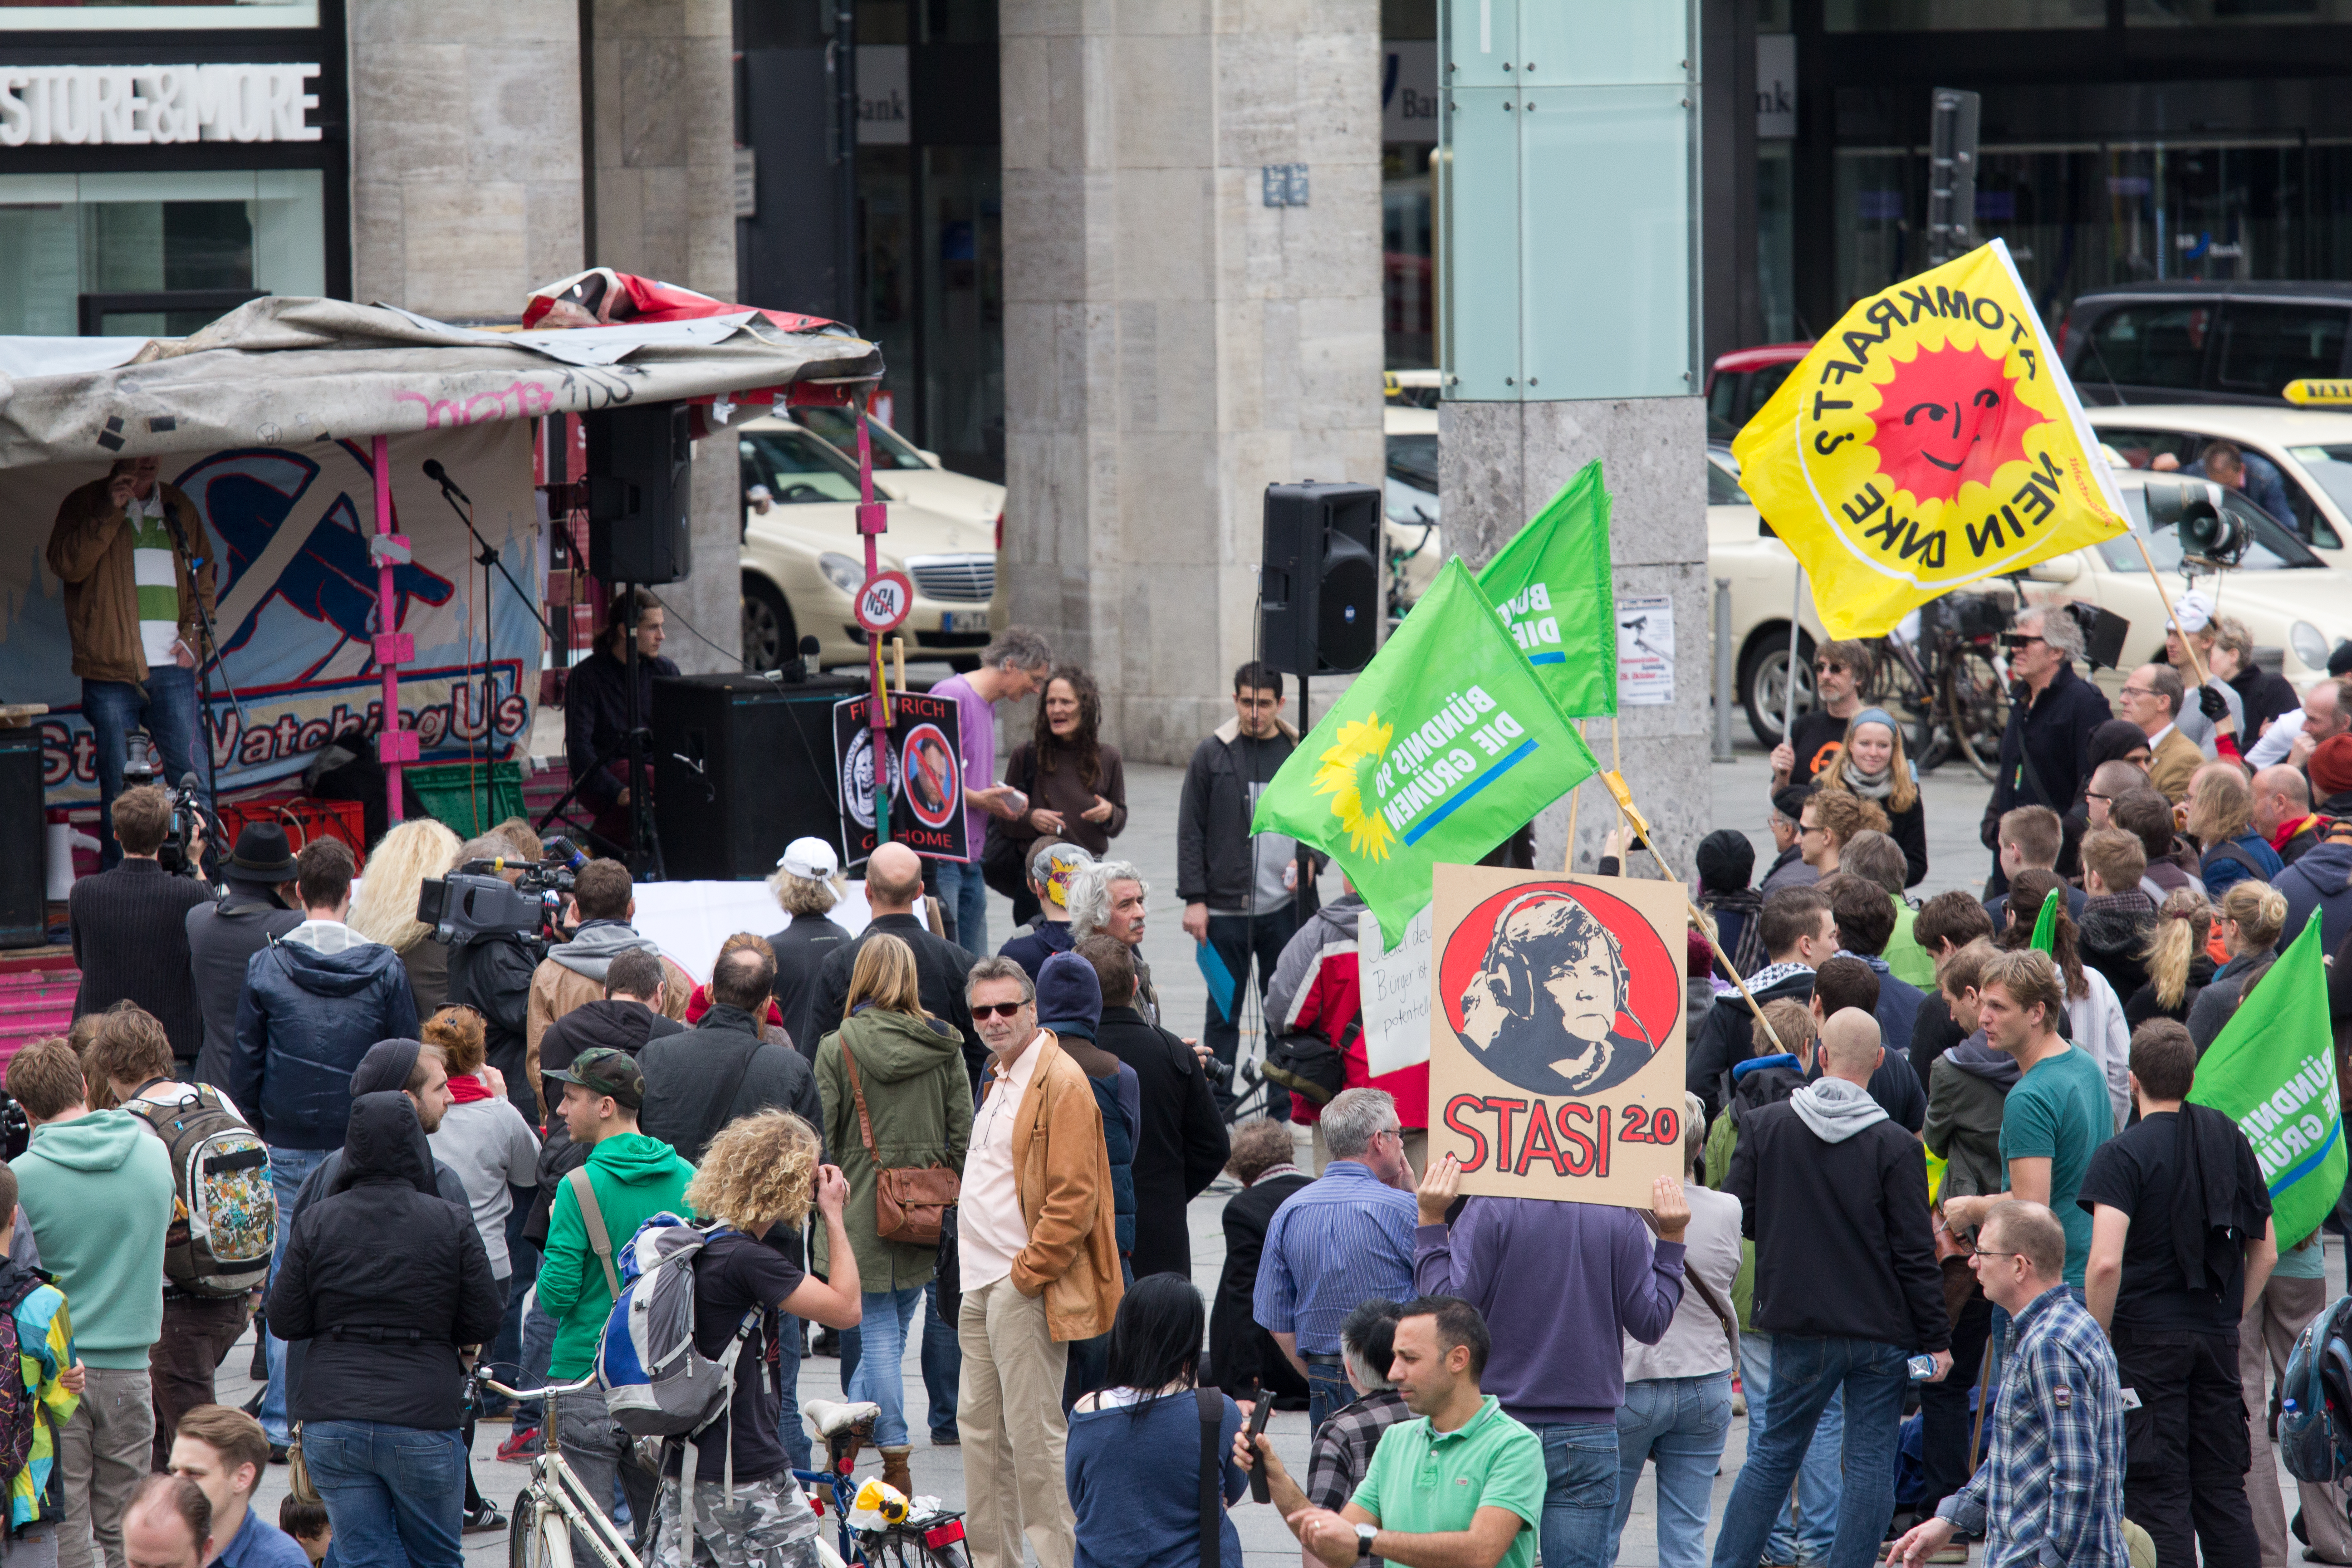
(165, 707)
(882, 1347)
(538, 1354)
(1327, 1390)
(942, 1361)
(287, 1167)
(1579, 1508)
(789, 1430)
(1806, 1527)
(1807, 1371)
(1680, 1422)
(965, 894)
(395, 1495)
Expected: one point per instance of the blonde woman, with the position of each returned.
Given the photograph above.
(916, 1098)
(2177, 968)
(1869, 763)
(807, 885)
(2252, 916)
(386, 909)
(2221, 818)
(757, 1180)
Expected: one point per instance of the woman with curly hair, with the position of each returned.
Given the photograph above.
(386, 909)
(1869, 763)
(1076, 784)
(756, 1182)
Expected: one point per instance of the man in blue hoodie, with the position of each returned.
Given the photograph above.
(315, 1000)
(85, 1164)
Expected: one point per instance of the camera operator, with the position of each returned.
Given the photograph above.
(129, 924)
(490, 972)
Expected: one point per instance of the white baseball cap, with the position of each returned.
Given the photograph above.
(811, 859)
(2194, 610)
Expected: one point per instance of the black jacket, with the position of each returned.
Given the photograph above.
(801, 950)
(304, 1022)
(221, 940)
(492, 974)
(699, 1080)
(2264, 695)
(1855, 1212)
(940, 967)
(1909, 831)
(1181, 1145)
(1240, 1351)
(1725, 1037)
(1212, 815)
(386, 1279)
(596, 717)
(2054, 734)
(129, 929)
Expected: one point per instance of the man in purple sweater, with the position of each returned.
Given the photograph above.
(1559, 1283)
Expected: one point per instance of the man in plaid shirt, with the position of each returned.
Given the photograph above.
(2049, 1492)
(1343, 1448)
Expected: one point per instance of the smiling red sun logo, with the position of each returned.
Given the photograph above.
(1951, 417)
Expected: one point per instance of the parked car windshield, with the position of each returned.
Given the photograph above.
(891, 450)
(796, 466)
(2273, 548)
(1723, 482)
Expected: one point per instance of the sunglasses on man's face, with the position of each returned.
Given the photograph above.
(997, 1010)
(2018, 639)
(1829, 667)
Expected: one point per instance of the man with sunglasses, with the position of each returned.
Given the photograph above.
(1839, 669)
(2051, 1488)
(2046, 751)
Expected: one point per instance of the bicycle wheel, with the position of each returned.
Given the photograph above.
(529, 1535)
(1977, 702)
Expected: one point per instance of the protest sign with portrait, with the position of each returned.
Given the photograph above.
(1555, 1034)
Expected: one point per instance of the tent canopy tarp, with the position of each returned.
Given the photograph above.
(282, 371)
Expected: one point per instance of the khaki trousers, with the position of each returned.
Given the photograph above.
(103, 1452)
(1009, 1410)
(2266, 1339)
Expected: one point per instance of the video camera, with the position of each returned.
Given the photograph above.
(476, 899)
(177, 853)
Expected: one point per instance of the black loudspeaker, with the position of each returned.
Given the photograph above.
(24, 882)
(742, 766)
(638, 495)
(1319, 588)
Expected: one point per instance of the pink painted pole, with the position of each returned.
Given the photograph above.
(393, 649)
(872, 518)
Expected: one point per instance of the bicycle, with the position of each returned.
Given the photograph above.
(556, 1504)
(933, 1539)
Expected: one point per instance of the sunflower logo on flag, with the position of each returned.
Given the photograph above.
(1358, 747)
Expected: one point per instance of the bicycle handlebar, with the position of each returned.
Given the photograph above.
(482, 1376)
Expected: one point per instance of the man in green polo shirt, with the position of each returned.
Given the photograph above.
(1465, 1475)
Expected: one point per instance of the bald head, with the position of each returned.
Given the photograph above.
(2323, 710)
(2109, 780)
(167, 1525)
(894, 879)
(1850, 1046)
(2281, 797)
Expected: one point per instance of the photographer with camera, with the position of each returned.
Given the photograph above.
(603, 901)
(491, 969)
(130, 925)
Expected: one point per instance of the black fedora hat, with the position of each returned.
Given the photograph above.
(262, 856)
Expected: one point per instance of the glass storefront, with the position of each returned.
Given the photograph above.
(66, 236)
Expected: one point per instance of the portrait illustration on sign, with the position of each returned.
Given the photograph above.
(1556, 1033)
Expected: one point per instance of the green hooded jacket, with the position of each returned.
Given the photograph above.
(918, 1096)
(635, 1177)
(103, 1166)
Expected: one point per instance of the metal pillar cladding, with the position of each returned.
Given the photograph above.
(1569, 211)
(393, 648)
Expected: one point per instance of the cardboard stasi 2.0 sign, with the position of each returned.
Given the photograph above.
(1555, 1034)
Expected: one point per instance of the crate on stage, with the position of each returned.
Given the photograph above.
(303, 819)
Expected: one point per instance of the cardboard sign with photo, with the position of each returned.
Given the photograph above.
(1555, 1034)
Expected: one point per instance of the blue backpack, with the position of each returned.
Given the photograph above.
(2314, 1422)
(657, 1384)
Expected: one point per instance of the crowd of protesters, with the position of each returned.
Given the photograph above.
(430, 1148)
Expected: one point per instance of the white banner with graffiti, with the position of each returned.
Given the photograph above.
(298, 602)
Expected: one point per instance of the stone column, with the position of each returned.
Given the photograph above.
(1498, 463)
(666, 209)
(1173, 345)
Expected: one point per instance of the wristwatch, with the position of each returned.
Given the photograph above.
(1364, 1534)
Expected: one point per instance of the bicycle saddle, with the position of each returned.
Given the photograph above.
(830, 1418)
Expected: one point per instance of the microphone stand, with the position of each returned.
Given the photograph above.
(218, 656)
(489, 558)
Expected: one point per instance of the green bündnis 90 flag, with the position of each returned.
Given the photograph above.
(1553, 588)
(2272, 1070)
(1444, 745)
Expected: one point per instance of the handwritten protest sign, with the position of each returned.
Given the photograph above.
(1555, 1034)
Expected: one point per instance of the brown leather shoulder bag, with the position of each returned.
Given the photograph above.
(909, 1200)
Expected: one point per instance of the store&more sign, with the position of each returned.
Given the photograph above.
(133, 106)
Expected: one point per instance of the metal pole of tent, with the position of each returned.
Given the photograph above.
(393, 648)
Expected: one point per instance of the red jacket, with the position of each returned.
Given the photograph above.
(1315, 987)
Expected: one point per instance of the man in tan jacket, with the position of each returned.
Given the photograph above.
(136, 562)
(1038, 1253)
(603, 901)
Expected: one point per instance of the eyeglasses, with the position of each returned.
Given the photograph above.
(2128, 690)
(1805, 827)
(2018, 639)
(1829, 667)
(2095, 795)
(997, 1010)
(1976, 1252)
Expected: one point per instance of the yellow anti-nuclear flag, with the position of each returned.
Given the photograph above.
(1930, 440)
